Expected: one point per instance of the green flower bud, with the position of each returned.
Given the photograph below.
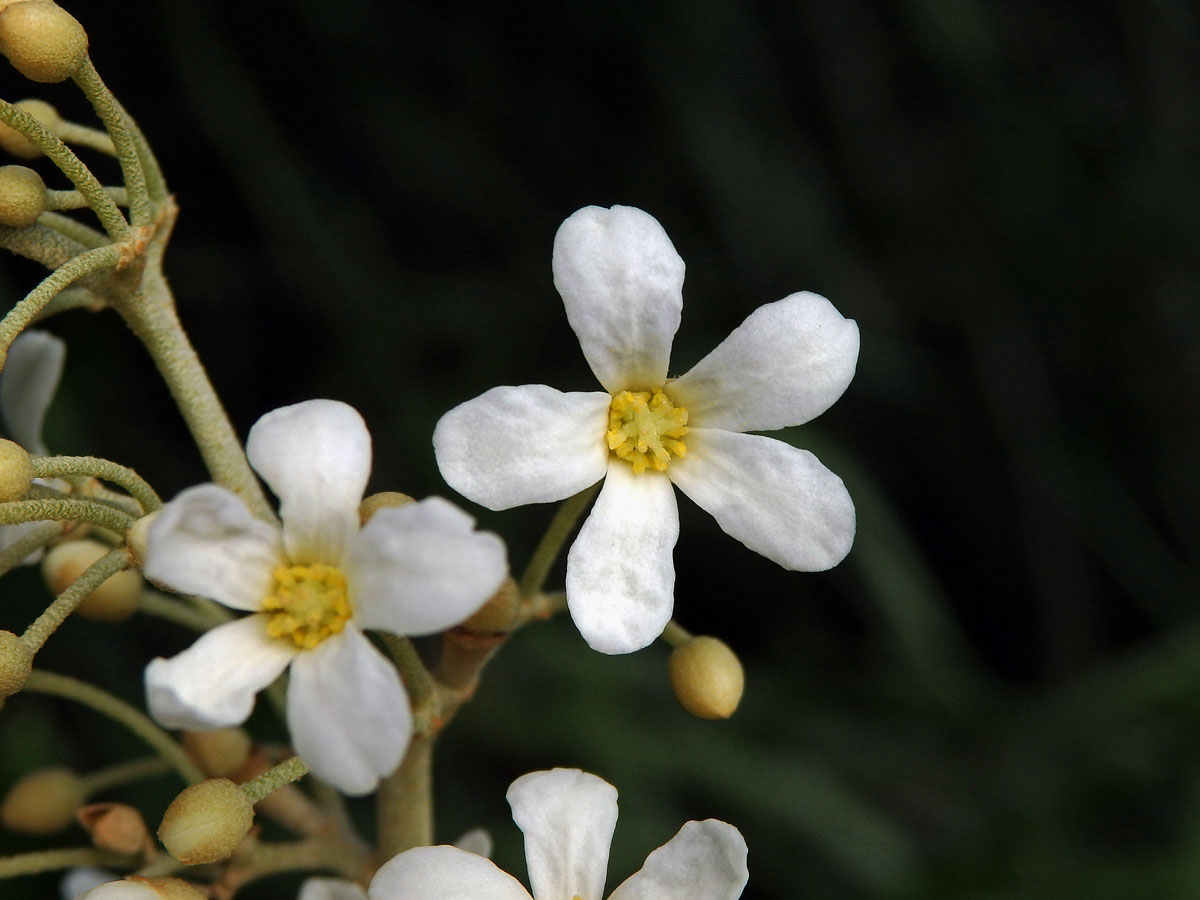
(16, 470)
(42, 40)
(707, 677)
(206, 822)
(22, 196)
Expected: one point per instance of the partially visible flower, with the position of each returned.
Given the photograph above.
(30, 378)
(568, 817)
(135, 887)
(622, 284)
(312, 588)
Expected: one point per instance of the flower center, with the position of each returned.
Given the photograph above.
(309, 604)
(645, 428)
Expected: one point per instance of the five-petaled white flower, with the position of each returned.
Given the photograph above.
(621, 282)
(312, 588)
(568, 817)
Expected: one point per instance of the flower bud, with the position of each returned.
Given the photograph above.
(499, 613)
(16, 471)
(116, 827)
(135, 887)
(382, 500)
(16, 662)
(42, 40)
(138, 538)
(19, 145)
(218, 753)
(206, 822)
(22, 196)
(112, 601)
(707, 678)
(43, 802)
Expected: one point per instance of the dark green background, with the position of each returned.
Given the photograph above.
(997, 695)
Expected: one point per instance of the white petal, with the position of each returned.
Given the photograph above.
(620, 575)
(786, 364)
(206, 542)
(212, 683)
(32, 372)
(78, 881)
(528, 444)
(316, 456)
(122, 890)
(348, 712)
(477, 841)
(568, 817)
(622, 284)
(704, 861)
(330, 889)
(443, 873)
(422, 568)
(776, 499)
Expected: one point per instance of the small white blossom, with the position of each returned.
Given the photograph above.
(312, 587)
(568, 817)
(621, 282)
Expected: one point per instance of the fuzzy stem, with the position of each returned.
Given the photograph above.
(37, 538)
(85, 237)
(68, 601)
(404, 804)
(124, 773)
(84, 136)
(51, 860)
(173, 609)
(76, 200)
(552, 541)
(65, 510)
(131, 481)
(675, 635)
(273, 779)
(42, 682)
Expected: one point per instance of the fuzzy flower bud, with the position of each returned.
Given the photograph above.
(112, 601)
(22, 196)
(136, 887)
(42, 40)
(218, 753)
(15, 142)
(43, 802)
(206, 822)
(116, 827)
(707, 678)
(16, 469)
(499, 613)
(16, 662)
(382, 500)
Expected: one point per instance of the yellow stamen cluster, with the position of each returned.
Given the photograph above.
(309, 604)
(645, 429)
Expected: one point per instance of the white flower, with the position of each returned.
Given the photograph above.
(621, 282)
(568, 818)
(312, 588)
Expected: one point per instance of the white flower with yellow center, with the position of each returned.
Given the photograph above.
(311, 589)
(568, 818)
(622, 282)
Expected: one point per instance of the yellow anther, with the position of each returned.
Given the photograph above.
(645, 429)
(309, 604)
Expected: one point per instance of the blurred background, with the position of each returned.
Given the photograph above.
(997, 695)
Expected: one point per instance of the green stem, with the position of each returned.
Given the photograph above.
(173, 609)
(417, 680)
(153, 318)
(83, 136)
(675, 634)
(42, 682)
(292, 769)
(43, 242)
(70, 165)
(65, 510)
(37, 538)
(124, 773)
(72, 298)
(552, 541)
(131, 481)
(404, 804)
(85, 236)
(113, 117)
(76, 200)
(68, 601)
(65, 275)
(52, 860)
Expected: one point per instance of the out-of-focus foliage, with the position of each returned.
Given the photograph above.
(998, 694)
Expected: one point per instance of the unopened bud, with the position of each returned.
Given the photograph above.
(115, 826)
(707, 678)
(138, 538)
(16, 662)
(16, 470)
(135, 887)
(112, 601)
(499, 613)
(22, 196)
(218, 753)
(206, 822)
(43, 802)
(42, 40)
(382, 500)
